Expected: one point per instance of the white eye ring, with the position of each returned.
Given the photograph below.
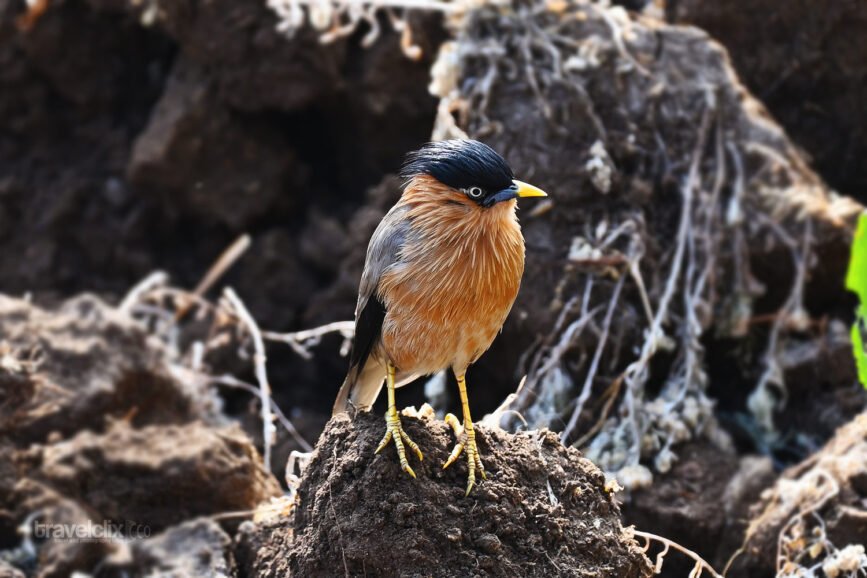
(475, 192)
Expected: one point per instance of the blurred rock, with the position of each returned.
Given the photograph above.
(826, 491)
(74, 85)
(147, 476)
(351, 112)
(200, 158)
(196, 548)
(805, 61)
(76, 366)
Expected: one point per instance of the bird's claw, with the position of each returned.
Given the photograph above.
(394, 431)
(466, 441)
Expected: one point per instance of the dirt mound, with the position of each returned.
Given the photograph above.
(543, 511)
(685, 282)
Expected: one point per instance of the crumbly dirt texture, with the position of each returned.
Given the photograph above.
(95, 427)
(77, 365)
(160, 474)
(702, 503)
(543, 511)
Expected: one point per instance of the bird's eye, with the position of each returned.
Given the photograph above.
(475, 192)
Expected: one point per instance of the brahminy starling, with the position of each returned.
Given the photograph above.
(442, 272)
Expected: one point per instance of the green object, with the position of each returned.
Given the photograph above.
(856, 281)
(858, 350)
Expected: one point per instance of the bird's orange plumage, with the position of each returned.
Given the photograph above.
(447, 307)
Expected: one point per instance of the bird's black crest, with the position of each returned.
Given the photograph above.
(460, 164)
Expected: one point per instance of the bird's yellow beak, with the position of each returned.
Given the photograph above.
(527, 190)
(513, 191)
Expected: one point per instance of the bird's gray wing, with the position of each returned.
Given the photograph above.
(363, 383)
(382, 252)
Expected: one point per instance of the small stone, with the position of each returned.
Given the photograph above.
(489, 543)
(488, 495)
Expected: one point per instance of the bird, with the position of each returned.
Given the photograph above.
(441, 274)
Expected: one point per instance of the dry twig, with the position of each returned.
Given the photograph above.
(232, 381)
(223, 263)
(259, 359)
(302, 341)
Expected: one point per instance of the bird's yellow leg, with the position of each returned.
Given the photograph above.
(393, 429)
(466, 438)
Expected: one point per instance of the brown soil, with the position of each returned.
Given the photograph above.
(702, 503)
(543, 511)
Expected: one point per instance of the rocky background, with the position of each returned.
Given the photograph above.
(145, 136)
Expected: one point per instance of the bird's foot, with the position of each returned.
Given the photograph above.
(394, 431)
(466, 442)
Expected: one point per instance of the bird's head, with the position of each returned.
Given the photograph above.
(469, 168)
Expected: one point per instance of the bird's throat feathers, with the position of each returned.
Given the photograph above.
(439, 210)
(453, 232)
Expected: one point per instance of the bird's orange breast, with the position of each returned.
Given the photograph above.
(456, 279)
